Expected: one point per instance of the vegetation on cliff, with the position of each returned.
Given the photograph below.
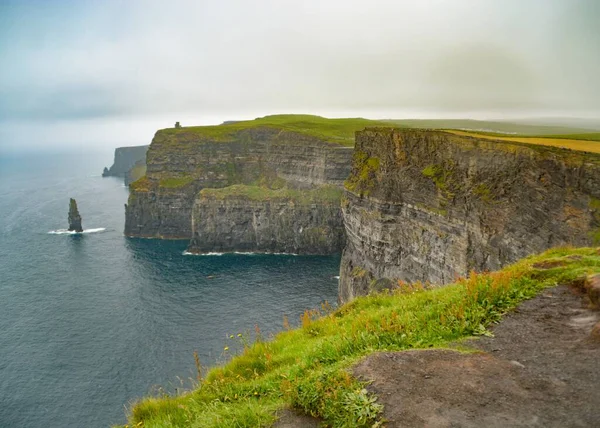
(500, 128)
(339, 131)
(323, 194)
(307, 367)
(589, 142)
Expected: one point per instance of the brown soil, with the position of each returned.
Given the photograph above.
(291, 419)
(549, 264)
(542, 369)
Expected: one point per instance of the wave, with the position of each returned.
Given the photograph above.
(242, 253)
(72, 232)
(187, 253)
(336, 277)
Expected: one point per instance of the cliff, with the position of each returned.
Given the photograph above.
(425, 205)
(288, 151)
(257, 219)
(126, 159)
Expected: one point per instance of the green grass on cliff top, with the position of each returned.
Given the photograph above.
(499, 128)
(323, 194)
(308, 367)
(340, 131)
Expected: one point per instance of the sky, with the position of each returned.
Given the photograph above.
(83, 74)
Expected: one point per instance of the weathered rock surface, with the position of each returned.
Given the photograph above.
(426, 205)
(126, 158)
(180, 163)
(303, 225)
(539, 370)
(74, 217)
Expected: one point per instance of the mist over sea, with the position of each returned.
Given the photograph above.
(90, 322)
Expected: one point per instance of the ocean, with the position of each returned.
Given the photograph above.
(90, 322)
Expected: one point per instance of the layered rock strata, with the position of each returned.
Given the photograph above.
(425, 205)
(74, 218)
(253, 219)
(126, 159)
(182, 162)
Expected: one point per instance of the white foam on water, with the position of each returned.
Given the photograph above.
(187, 253)
(72, 232)
(336, 277)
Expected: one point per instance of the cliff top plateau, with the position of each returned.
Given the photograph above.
(339, 131)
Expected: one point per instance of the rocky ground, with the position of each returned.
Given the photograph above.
(540, 369)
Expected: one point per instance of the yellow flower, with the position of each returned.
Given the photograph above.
(231, 336)
(226, 348)
(239, 334)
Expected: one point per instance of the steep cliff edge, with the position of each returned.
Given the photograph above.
(426, 205)
(182, 162)
(258, 219)
(129, 163)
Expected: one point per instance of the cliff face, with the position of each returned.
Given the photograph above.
(126, 158)
(246, 218)
(430, 206)
(181, 162)
(74, 218)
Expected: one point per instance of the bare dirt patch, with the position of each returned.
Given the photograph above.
(549, 264)
(291, 419)
(542, 369)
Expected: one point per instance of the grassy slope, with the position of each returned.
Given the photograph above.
(499, 127)
(323, 194)
(307, 367)
(579, 142)
(340, 131)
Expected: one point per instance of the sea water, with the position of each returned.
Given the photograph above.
(90, 322)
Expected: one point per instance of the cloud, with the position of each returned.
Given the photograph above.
(90, 61)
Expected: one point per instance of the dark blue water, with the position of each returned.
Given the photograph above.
(90, 322)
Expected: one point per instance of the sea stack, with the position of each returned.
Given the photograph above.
(74, 217)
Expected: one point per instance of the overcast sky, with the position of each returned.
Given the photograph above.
(108, 73)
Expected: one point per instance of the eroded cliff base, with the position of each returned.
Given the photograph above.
(539, 370)
(259, 219)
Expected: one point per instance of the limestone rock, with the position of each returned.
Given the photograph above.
(430, 206)
(235, 222)
(180, 165)
(125, 160)
(74, 217)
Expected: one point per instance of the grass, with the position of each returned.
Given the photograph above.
(138, 171)
(492, 127)
(323, 194)
(362, 177)
(339, 131)
(573, 142)
(308, 368)
(175, 182)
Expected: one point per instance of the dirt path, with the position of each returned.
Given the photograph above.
(542, 369)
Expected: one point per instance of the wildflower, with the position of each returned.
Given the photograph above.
(226, 348)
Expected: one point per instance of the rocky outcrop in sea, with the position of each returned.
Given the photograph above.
(74, 217)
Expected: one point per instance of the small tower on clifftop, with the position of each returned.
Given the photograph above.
(74, 217)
